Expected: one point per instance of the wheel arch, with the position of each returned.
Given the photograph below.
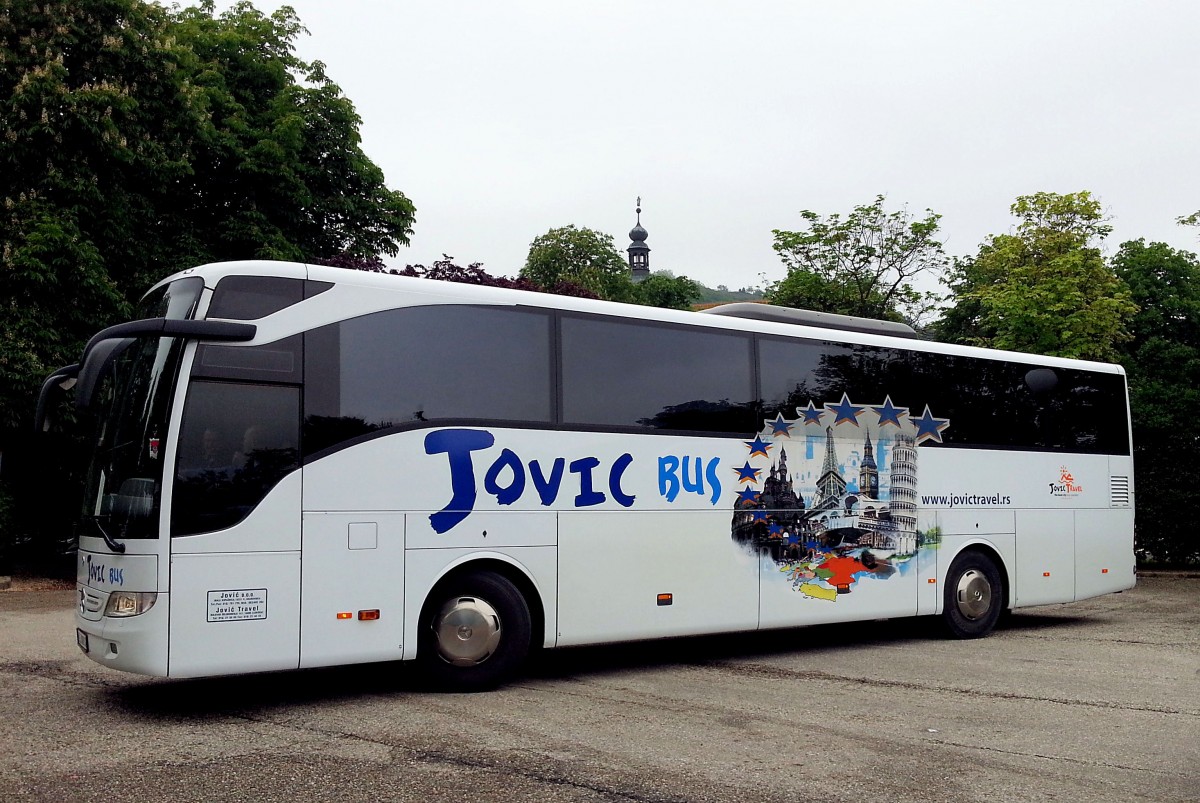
(509, 569)
(990, 552)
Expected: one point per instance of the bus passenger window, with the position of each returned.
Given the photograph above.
(407, 367)
(648, 376)
(236, 443)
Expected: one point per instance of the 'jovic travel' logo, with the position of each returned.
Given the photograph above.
(1066, 485)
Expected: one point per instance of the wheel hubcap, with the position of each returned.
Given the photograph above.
(974, 594)
(467, 630)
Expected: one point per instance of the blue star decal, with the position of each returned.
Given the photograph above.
(889, 414)
(845, 411)
(930, 428)
(748, 473)
(758, 446)
(780, 426)
(748, 496)
(758, 515)
(774, 529)
(811, 414)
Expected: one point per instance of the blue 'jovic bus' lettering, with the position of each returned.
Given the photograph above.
(507, 476)
(671, 479)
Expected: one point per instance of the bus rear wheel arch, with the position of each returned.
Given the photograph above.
(475, 631)
(974, 595)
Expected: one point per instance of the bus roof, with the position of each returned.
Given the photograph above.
(765, 319)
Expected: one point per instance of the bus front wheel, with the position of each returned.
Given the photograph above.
(974, 596)
(476, 632)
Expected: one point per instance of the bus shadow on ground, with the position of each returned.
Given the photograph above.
(1046, 619)
(248, 695)
(598, 659)
(810, 640)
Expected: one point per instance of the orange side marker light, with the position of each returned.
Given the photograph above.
(666, 599)
(368, 616)
(1104, 571)
(1045, 574)
(345, 615)
(931, 580)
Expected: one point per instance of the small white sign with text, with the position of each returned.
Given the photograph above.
(237, 605)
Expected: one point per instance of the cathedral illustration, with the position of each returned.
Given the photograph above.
(778, 522)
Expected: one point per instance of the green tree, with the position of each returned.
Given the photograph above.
(583, 256)
(864, 264)
(1045, 289)
(137, 140)
(280, 152)
(1162, 360)
(662, 289)
(565, 259)
(89, 119)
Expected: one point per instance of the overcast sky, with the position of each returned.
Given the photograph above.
(501, 120)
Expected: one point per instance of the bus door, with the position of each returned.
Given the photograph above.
(236, 529)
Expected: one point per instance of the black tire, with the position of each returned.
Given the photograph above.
(475, 632)
(974, 596)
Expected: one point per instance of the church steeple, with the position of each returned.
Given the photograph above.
(639, 252)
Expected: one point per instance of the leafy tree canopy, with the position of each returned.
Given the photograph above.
(1165, 285)
(1045, 288)
(1162, 356)
(864, 264)
(587, 258)
(580, 255)
(139, 140)
(661, 289)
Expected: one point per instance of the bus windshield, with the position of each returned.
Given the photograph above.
(124, 479)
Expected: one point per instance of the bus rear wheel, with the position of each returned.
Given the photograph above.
(476, 632)
(974, 596)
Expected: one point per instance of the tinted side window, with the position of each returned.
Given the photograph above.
(990, 403)
(626, 374)
(407, 366)
(794, 372)
(247, 298)
(1086, 412)
(237, 441)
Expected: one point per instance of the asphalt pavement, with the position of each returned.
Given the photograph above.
(1093, 701)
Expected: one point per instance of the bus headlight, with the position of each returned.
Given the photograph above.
(130, 603)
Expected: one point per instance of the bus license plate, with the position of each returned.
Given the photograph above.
(82, 639)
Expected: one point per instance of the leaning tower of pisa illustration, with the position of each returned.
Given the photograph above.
(903, 502)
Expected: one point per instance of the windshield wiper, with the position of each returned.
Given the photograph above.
(115, 546)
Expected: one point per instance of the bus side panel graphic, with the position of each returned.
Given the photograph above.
(824, 524)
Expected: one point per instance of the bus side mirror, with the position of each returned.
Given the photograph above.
(99, 359)
(60, 381)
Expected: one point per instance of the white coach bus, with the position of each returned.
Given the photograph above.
(300, 466)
